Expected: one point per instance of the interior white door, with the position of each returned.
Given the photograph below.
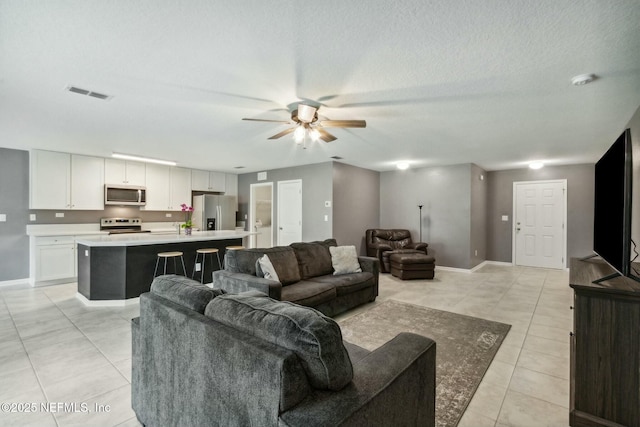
(261, 214)
(289, 212)
(539, 223)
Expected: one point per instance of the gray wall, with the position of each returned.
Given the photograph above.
(579, 210)
(478, 238)
(445, 193)
(14, 202)
(317, 188)
(356, 204)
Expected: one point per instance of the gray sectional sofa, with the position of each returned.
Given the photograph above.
(306, 276)
(202, 357)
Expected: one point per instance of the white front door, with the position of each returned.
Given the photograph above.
(289, 212)
(539, 223)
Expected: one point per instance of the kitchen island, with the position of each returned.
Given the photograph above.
(114, 269)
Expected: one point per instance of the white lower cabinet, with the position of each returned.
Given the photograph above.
(54, 258)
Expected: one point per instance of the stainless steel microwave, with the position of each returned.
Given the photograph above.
(131, 195)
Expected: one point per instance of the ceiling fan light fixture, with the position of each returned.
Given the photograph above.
(314, 134)
(306, 113)
(298, 134)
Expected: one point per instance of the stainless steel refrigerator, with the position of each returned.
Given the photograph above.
(212, 212)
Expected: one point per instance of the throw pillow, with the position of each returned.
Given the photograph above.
(315, 338)
(344, 260)
(267, 269)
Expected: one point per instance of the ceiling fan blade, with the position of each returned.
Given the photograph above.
(283, 133)
(325, 136)
(270, 121)
(343, 123)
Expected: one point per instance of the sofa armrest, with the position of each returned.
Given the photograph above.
(372, 265)
(394, 385)
(241, 282)
(419, 246)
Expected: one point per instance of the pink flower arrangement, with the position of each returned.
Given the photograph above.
(188, 214)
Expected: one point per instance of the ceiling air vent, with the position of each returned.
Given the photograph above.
(337, 157)
(88, 93)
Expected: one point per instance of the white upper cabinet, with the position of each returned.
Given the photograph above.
(208, 181)
(50, 180)
(65, 181)
(231, 185)
(124, 172)
(167, 188)
(158, 178)
(87, 182)
(180, 188)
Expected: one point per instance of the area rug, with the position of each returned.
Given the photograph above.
(465, 346)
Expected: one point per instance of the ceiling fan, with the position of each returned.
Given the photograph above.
(305, 121)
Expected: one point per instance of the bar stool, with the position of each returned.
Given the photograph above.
(230, 248)
(204, 252)
(166, 256)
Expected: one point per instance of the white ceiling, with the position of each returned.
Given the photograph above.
(438, 82)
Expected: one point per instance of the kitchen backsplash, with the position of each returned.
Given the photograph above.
(85, 217)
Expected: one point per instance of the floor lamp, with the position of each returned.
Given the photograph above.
(420, 221)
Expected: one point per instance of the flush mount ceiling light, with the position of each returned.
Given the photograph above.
(583, 79)
(142, 159)
(536, 165)
(402, 165)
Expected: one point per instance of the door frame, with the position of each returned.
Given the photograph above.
(252, 212)
(564, 218)
(289, 181)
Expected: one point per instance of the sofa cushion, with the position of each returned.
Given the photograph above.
(347, 283)
(314, 258)
(308, 293)
(315, 338)
(186, 292)
(344, 260)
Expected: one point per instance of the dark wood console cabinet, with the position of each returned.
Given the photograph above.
(605, 347)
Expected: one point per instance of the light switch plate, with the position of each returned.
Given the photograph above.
(59, 214)
(326, 217)
(32, 217)
(3, 217)
(505, 217)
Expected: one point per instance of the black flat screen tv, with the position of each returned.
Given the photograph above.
(612, 213)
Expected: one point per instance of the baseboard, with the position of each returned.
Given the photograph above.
(107, 303)
(24, 281)
(452, 269)
(474, 269)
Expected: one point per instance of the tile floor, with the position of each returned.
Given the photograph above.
(54, 349)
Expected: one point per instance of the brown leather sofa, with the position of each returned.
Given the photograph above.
(381, 243)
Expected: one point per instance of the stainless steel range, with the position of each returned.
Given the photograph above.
(122, 225)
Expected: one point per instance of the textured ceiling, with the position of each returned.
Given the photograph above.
(438, 82)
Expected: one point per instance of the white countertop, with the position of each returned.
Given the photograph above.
(159, 238)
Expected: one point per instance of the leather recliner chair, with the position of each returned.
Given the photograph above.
(381, 243)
